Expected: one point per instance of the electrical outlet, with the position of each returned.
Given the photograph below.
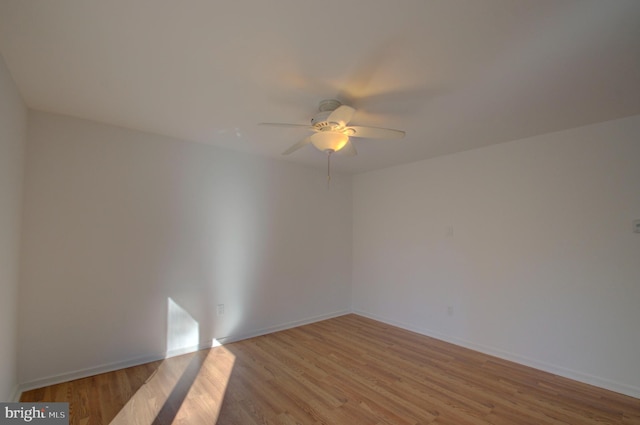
(220, 309)
(450, 310)
(636, 226)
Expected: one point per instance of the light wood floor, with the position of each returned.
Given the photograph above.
(348, 370)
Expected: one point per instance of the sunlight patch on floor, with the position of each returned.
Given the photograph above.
(189, 388)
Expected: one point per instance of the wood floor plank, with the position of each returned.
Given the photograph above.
(346, 370)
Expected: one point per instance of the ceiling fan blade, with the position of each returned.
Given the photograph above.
(280, 124)
(298, 145)
(342, 114)
(348, 149)
(376, 133)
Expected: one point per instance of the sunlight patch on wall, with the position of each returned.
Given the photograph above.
(183, 333)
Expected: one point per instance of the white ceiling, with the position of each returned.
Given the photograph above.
(454, 74)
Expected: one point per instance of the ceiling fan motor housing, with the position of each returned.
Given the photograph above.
(325, 108)
(319, 121)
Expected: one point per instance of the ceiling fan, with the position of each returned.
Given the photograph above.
(332, 132)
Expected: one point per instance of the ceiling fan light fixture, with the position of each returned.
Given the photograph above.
(329, 141)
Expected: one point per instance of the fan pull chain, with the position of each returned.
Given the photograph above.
(329, 168)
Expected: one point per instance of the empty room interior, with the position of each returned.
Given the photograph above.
(338, 212)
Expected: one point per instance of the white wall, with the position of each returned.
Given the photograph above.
(13, 128)
(530, 243)
(123, 227)
(131, 240)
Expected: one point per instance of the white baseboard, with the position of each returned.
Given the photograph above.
(585, 378)
(259, 332)
(282, 327)
(560, 371)
(15, 394)
(86, 372)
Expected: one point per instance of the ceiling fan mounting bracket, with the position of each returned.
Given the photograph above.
(329, 105)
